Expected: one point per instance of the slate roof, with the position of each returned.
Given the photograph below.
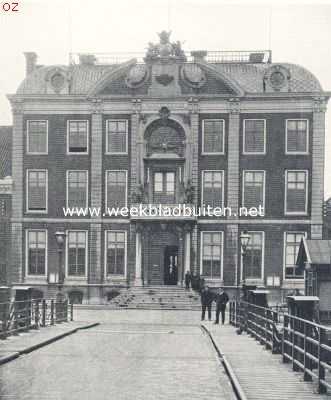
(248, 75)
(316, 252)
(5, 150)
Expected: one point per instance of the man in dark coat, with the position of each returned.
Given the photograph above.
(222, 299)
(187, 279)
(206, 302)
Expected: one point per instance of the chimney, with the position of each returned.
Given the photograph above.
(30, 62)
(199, 55)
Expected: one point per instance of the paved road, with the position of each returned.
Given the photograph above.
(131, 355)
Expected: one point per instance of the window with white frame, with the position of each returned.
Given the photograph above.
(115, 252)
(254, 136)
(37, 190)
(252, 260)
(76, 253)
(211, 254)
(77, 137)
(292, 242)
(296, 196)
(116, 184)
(37, 137)
(212, 188)
(297, 137)
(253, 189)
(117, 136)
(213, 136)
(77, 188)
(36, 245)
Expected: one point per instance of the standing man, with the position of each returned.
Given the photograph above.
(206, 302)
(222, 299)
(187, 279)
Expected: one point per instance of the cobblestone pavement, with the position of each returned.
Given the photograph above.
(131, 355)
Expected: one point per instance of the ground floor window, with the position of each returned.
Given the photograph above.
(77, 246)
(115, 252)
(36, 252)
(292, 242)
(252, 260)
(211, 254)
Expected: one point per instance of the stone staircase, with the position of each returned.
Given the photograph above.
(158, 297)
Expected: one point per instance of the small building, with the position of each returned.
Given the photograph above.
(314, 259)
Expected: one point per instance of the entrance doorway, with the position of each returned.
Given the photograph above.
(171, 265)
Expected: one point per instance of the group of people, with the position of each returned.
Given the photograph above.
(221, 298)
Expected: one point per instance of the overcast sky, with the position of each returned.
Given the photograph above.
(296, 32)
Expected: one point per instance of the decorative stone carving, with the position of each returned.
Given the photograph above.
(193, 105)
(96, 105)
(234, 105)
(139, 194)
(276, 79)
(17, 106)
(164, 114)
(193, 76)
(58, 80)
(320, 104)
(164, 79)
(137, 76)
(165, 50)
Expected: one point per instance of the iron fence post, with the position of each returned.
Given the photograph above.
(52, 312)
(36, 314)
(321, 358)
(43, 315)
(72, 312)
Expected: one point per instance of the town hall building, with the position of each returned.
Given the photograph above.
(224, 129)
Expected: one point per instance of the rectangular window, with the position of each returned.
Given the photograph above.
(254, 136)
(77, 253)
(36, 252)
(116, 184)
(212, 188)
(37, 190)
(297, 137)
(296, 192)
(77, 189)
(253, 189)
(252, 260)
(213, 136)
(292, 242)
(37, 137)
(77, 137)
(212, 254)
(117, 136)
(116, 253)
(164, 187)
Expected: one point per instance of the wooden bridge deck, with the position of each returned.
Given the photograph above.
(261, 374)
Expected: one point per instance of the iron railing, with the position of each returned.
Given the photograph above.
(20, 316)
(304, 344)
(237, 56)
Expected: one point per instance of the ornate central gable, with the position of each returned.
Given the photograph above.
(165, 72)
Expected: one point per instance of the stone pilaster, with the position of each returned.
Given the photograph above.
(317, 184)
(194, 122)
(17, 264)
(95, 271)
(193, 174)
(96, 154)
(231, 265)
(187, 258)
(135, 144)
(138, 258)
(96, 179)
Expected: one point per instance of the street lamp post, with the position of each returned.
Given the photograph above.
(59, 276)
(244, 241)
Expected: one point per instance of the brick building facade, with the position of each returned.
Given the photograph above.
(223, 129)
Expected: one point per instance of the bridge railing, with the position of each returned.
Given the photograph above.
(304, 344)
(20, 316)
